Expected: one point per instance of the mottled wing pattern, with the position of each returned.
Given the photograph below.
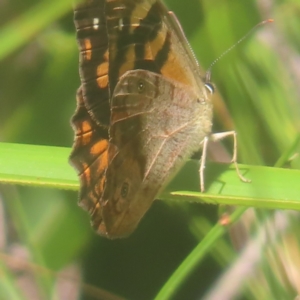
(89, 157)
(156, 124)
(114, 138)
(144, 36)
(91, 119)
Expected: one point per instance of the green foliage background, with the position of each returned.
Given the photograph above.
(259, 82)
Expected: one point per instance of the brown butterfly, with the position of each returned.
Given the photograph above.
(143, 109)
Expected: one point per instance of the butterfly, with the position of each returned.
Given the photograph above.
(143, 108)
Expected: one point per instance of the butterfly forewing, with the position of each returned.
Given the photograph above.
(144, 35)
(90, 22)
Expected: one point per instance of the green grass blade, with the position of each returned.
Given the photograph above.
(194, 258)
(32, 165)
(8, 287)
(22, 29)
(274, 188)
(270, 187)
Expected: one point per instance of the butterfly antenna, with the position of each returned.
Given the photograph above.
(208, 72)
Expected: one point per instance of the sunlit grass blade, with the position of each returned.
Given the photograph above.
(32, 165)
(274, 188)
(47, 166)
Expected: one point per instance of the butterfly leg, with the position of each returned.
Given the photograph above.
(202, 163)
(221, 135)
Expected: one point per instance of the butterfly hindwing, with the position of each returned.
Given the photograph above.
(155, 127)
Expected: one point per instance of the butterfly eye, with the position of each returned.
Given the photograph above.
(210, 87)
(141, 86)
(124, 190)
